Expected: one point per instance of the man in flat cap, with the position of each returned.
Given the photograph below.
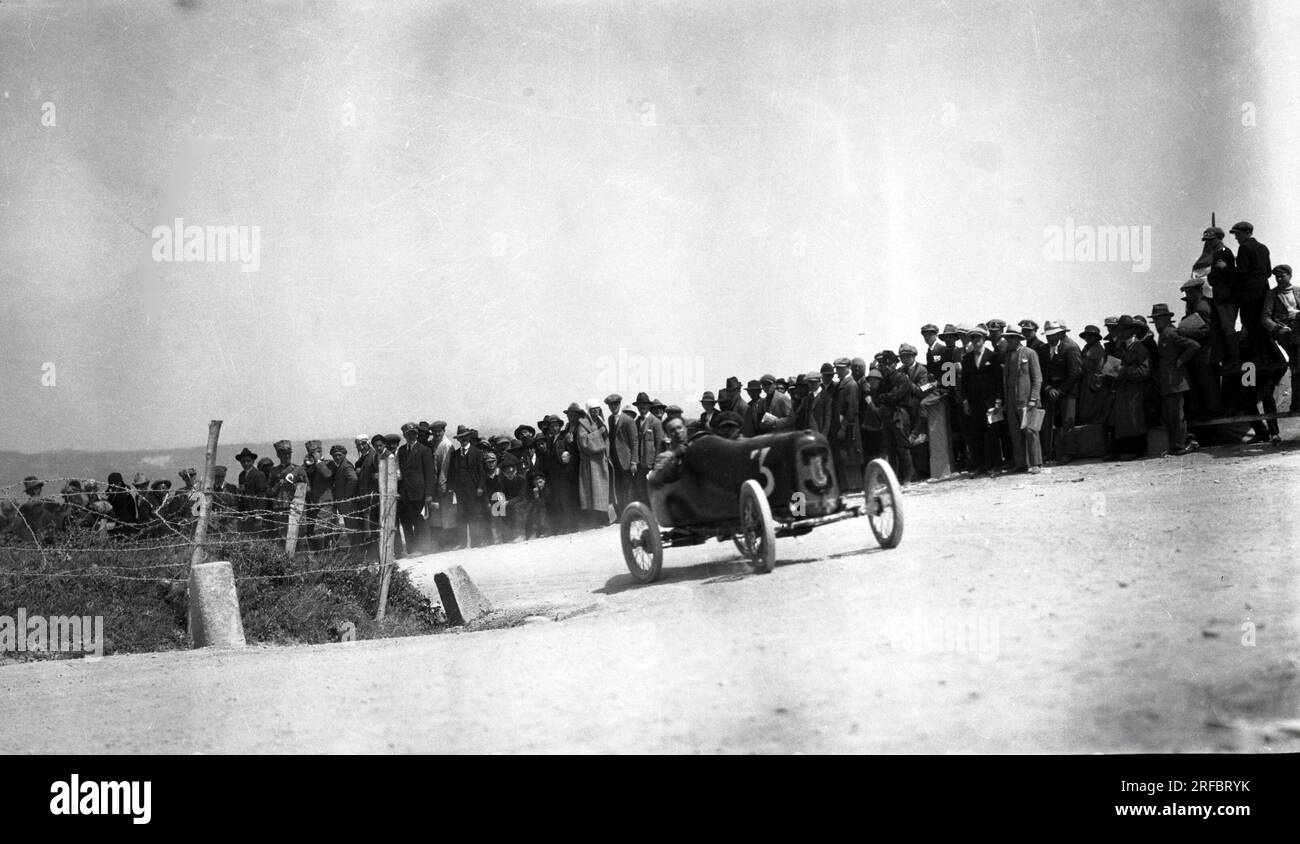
(727, 425)
(775, 401)
(417, 489)
(894, 398)
(1249, 286)
(1281, 309)
(622, 450)
(1217, 266)
(822, 416)
(846, 408)
(347, 505)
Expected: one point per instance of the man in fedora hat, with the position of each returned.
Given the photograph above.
(822, 416)
(417, 489)
(710, 404)
(753, 415)
(1094, 394)
(846, 425)
(465, 484)
(1132, 381)
(979, 388)
(650, 433)
(1061, 375)
(1175, 354)
(253, 491)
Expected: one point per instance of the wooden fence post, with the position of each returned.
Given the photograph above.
(295, 516)
(205, 500)
(387, 528)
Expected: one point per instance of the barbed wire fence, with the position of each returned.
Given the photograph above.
(73, 532)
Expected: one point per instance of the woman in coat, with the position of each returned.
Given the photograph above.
(592, 444)
(1094, 397)
(1132, 382)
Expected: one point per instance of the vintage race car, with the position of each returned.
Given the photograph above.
(751, 491)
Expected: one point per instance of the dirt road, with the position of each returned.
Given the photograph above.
(1150, 606)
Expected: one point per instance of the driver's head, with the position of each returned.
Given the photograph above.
(727, 424)
(675, 429)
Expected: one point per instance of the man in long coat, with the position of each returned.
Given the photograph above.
(847, 444)
(1062, 364)
(443, 520)
(1094, 396)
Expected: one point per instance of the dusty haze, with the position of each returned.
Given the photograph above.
(464, 207)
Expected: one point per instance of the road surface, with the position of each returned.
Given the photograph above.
(1149, 606)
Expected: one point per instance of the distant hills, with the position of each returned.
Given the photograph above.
(156, 463)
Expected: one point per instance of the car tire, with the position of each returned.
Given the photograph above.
(758, 528)
(643, 547)
(884, 503)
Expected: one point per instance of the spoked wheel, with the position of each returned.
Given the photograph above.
(884, 504)
(758, 530)
(643, 547)
(739, 539)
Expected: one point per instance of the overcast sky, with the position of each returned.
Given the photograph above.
(466, 210)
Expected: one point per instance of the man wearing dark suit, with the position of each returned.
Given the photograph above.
(997, 343)
(465, 482)
(416, 488)
(368, 495)
(978, 390)
(710, 405)
(752, 418)
(1250, 284)
(649, 433)
(1062, 369)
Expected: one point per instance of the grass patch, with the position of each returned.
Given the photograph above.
(140, 591)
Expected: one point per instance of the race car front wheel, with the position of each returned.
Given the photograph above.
(884, 504)
(757, 528)
(643, 547)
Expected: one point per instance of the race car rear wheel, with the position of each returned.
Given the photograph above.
(884, 504)
(643, 547)
(758, 529)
